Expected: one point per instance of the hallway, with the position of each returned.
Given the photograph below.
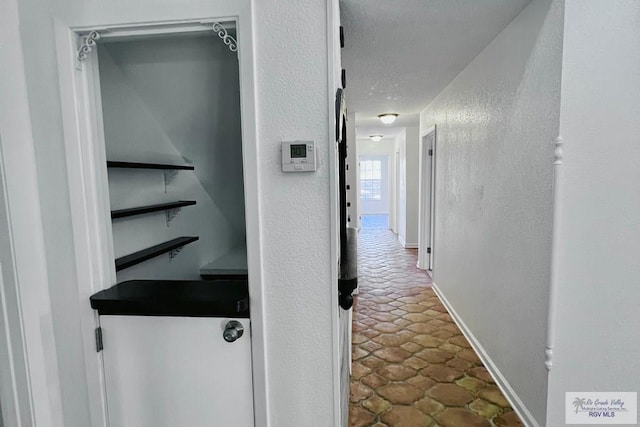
(412, 367)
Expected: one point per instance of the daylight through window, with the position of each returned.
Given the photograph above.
(370, 179)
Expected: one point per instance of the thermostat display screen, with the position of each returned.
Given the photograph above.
(298, 150)
(298, 156)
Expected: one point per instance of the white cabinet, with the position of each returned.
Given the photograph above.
(163, 371)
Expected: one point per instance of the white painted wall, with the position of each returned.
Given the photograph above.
(400, 148)
(298, 285)
(599, 234)
(412, 152)
(496, 121)
(174, 101)
(293, 102)
(407, 145)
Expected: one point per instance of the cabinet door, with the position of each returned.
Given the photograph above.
(176, 371)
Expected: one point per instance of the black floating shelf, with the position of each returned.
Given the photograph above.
(152, 252)
(122, 213)
(174, 298)
(136, 165)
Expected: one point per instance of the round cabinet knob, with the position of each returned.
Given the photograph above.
(232, 331)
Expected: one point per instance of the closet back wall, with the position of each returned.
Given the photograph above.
(174, 100)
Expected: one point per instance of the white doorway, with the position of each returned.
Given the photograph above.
(426, 222)
(374, 191)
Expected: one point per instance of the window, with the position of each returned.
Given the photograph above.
(370, 179)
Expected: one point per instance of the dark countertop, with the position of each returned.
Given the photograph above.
(174, 298)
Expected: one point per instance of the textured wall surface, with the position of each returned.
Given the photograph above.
(435, 38)
(292, 104)
(496, 123)
(597, 340)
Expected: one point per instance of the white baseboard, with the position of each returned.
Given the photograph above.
(510, 394)
(407, 245)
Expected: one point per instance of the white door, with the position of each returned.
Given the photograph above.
(176, 371)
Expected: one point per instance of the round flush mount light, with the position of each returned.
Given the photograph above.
(388, 118)
(376, 138)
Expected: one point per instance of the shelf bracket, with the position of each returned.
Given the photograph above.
(171, 214)
(169, 176)
(174, 252)
(88, 42)
(227, 38)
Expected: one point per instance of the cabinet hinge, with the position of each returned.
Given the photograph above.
(431, 152)
(99, 345)
(428, 250)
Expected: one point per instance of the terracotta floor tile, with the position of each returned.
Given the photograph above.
(493, 395)
(377, 405)
(484, 408)
(459, 364)
(458, 417)
(360, 417)
(406, 416)
(429, 406)
(359, 391)
(450, 394)
(481, 373)
(442, 373)
(422, 382)
(392, 354)
(412, 365)
(400, 393)
(508, 419)
(397, 372)
(427, 341)
(471, 384)
(433, 355)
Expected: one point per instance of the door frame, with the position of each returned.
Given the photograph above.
(427, 191)
(88, 186)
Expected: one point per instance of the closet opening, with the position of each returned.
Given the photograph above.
(156, 153)
(173, 144)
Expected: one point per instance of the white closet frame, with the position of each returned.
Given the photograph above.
(88, 187)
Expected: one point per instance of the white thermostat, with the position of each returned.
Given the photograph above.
(298, 156)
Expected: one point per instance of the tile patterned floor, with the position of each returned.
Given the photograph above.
(412, 365)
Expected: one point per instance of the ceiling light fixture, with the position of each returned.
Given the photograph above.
(388, 118)
(376, 138)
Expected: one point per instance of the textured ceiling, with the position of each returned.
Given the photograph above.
(400, 54)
